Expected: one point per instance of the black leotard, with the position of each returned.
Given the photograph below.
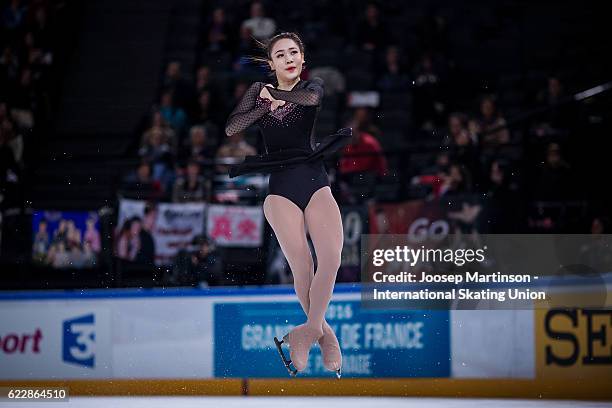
(291, 156)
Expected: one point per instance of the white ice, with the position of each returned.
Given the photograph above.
(304, 402)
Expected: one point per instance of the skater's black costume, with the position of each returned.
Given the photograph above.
(295, 163)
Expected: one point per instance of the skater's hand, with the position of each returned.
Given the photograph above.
(266, 95)
(276, 103)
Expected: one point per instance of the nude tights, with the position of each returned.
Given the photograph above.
(322, 221)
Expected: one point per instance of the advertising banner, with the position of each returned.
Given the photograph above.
(235, 225)
(573, 343)
(57, 342)
(170, 227)
(374, 343)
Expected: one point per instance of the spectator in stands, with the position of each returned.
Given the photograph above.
(218, 33)
(260, 26)
(235, 147)
(206, 82)
(393, 77)
(4, 111)
(142, 183)
(557, 120)
(239, 89)
(13, 139)
(176, 82)
(363, 154)
(9, 166)
(334, 80)
(192, 186)
(9, 68)
(157, 152)
(501, 195)
(457, 132)
(207, 112)
(159, 124)
(595, 253)
(428, 107)
(197, 148)
(199, 264)
(371, 33)
(431, 31)
(361, 164)
(554, 180)
(458, 180)
(491, 118)
(41, 29)
(441, 164)
(455, 180)
(203, 79)
(14, 14)
(247, 46)
(362, 121)
(174, 115)
(10, 169)
(460, 141)
(25, 101)
(207, 263)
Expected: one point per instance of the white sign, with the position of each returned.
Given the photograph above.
(235, 225)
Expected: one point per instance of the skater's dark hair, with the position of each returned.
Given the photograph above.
(266, 47)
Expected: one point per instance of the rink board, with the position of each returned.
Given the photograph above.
(148, 339)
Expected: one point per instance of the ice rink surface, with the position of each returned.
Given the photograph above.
(303, 402)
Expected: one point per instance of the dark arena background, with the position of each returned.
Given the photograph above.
(135, 272)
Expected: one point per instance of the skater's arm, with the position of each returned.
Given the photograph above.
(248, 111)
(311, 95)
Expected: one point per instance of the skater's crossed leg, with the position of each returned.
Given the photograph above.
(289, 224)
(324, 224)
(287, 221)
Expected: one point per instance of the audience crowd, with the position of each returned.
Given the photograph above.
(426, 133)
(185, 154)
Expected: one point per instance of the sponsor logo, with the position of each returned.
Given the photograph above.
(78, 345)
(14, 343)
(575, 343)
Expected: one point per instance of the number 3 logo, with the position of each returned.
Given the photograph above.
(79, 341)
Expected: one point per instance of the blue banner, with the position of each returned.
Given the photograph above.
(374, 343)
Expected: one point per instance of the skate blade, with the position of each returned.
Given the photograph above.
(339, 372)
(287, 362)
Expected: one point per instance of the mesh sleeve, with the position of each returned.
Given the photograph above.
(310, 95)
(248, 111)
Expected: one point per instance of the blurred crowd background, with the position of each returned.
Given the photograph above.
(112, 119)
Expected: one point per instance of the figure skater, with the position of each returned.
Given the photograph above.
(299, 199)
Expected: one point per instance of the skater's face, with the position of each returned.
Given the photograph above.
(287, 60)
